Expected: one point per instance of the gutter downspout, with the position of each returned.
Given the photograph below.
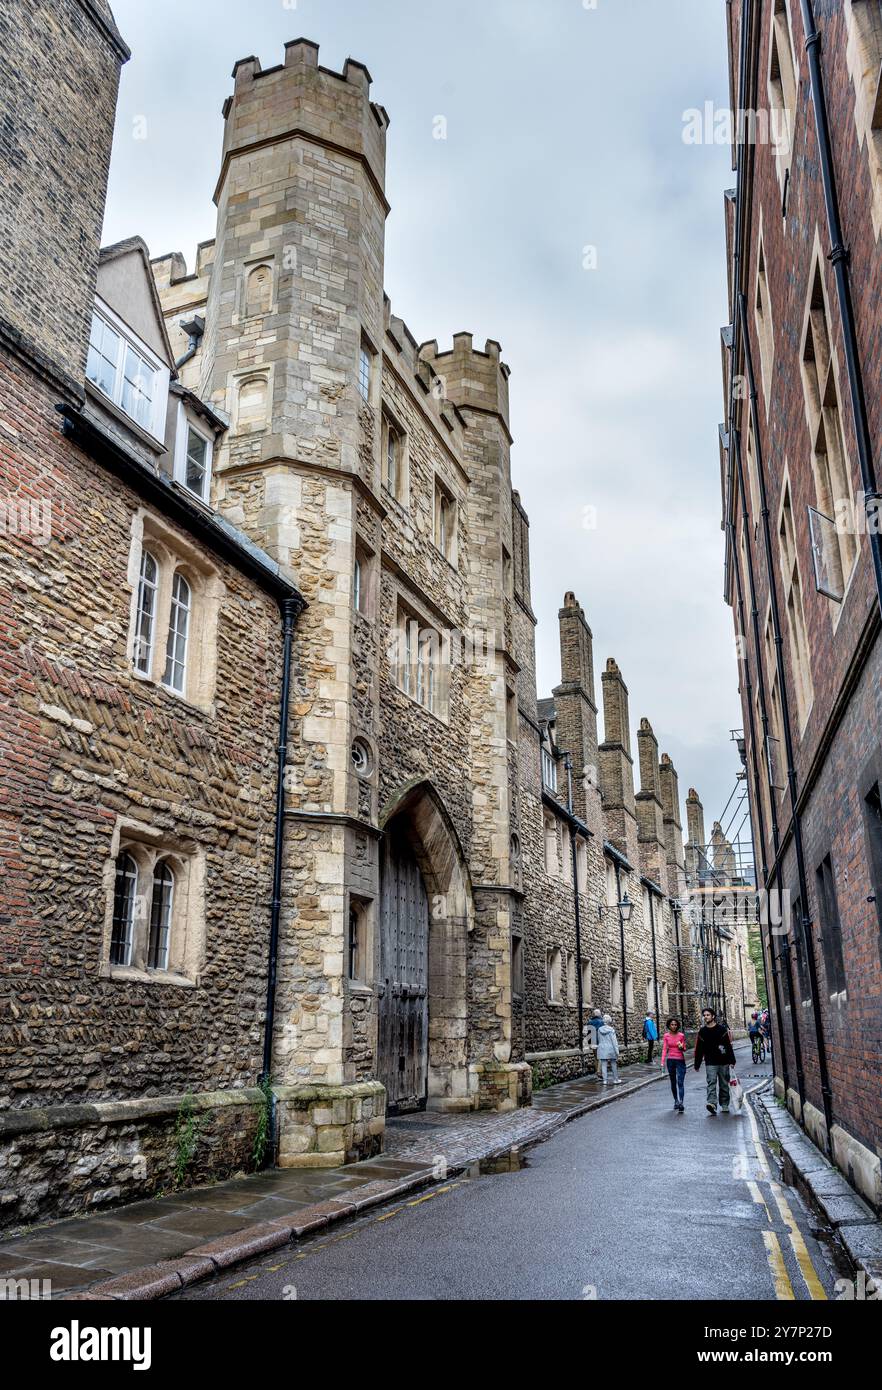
(681, 1001)
(195, 327)
(568, 763)
(291, 609)
(654, 960)
(618, 870)
(840, 258)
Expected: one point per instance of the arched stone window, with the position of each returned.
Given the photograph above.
(178, 634)
(251, 404)
(259, 290)
(124, 893)
(160, 916)
(148, 585)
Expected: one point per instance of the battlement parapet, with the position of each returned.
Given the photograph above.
(474, 379)
(300, 98)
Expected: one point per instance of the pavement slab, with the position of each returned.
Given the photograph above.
(151, 1247)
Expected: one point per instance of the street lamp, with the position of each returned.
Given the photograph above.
(626, 907)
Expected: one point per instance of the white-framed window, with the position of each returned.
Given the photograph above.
(148, 587)
(572, 995)
(394, 460)
(553, 973)
(363, 580)
(517, 965)
(566, 847)
(445, 522)
(365, 370)
(581, 864)
(178, 635)
(359, 943)
(160, 916)
(126, 371)
(552, 861)
(419, 671)
(586, 982)
(615, 987)
(549, 770)
(176, 597)
(155, 910)
(124, 892)
(194, 449)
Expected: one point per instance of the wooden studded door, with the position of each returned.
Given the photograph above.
(403, 980)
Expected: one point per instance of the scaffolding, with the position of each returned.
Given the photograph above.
(722, 907)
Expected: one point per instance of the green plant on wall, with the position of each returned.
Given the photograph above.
(261, 1135)
(186, 1136)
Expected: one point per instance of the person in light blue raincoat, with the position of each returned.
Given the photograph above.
(650, 1035)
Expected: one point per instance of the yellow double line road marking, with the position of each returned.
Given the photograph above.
(783, 1286)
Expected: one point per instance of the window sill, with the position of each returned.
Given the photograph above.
(98, 397)
(555, 1003)
(441, 718)
(452, 563)
(192, 496)
(402, 503)
(130, 974)
(143, 679)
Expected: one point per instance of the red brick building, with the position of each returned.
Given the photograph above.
(800, 451)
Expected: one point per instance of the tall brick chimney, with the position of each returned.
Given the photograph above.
(650, 814)
(670, 795)
(576, 709)
(695, 846)
(617, 765)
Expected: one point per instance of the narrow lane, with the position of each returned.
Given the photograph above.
(631, 1202)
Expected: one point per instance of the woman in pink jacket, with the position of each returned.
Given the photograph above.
(674, 1058)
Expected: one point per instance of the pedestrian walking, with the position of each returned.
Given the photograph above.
(674, 1058)
(608, 1051)
(595, 1023)
(713, 1046)
(650, 1035)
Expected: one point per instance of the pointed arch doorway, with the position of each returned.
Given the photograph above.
(425, 915)
(403, 1018)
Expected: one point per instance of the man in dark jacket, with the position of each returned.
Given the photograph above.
(714, 1046)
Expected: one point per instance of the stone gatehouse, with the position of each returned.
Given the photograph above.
(411, 894)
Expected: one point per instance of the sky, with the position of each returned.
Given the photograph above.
(562, 214)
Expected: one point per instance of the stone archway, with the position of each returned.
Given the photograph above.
(417, 826)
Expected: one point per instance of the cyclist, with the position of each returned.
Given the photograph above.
(755, 1031)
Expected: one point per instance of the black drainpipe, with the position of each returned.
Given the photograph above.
(840, 258)
(291, 609)
(568, 762)
(654, 959)
(681, 1000)
(806, 921)
(618, 870)
(195, 328)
